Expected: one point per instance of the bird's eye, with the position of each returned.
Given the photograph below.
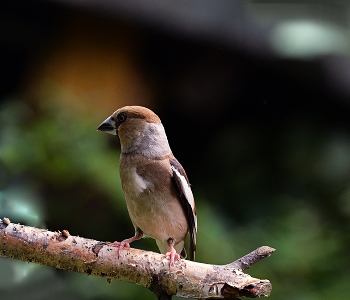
(121, 117)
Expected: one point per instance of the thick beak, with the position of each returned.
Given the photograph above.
(108, 126)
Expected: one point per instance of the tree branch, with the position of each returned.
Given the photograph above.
(186, 279)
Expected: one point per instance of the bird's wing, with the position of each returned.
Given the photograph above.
(187, 201)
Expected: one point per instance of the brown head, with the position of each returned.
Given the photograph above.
(139, 129)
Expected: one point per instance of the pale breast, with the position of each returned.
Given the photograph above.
(152, 200)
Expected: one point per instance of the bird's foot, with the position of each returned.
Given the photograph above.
(172, 255)
(126, 243)
(121, 245)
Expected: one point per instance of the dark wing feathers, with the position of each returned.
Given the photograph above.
(187, 202)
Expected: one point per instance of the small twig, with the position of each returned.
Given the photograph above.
(186, 279)
(251, 258)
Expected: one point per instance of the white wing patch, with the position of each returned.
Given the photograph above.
(140, 184)
(186, 190)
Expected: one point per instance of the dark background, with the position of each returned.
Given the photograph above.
(254, 97)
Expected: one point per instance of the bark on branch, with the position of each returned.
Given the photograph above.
(186, 279)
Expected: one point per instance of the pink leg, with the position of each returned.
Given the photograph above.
(126, 243)
(172, 252)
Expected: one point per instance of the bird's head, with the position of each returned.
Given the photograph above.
(139, 129)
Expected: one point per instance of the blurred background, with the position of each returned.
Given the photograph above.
(255, 99)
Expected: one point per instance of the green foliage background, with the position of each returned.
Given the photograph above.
(265, 140)
(59, 173)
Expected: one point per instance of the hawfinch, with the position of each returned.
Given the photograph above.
(156, 188)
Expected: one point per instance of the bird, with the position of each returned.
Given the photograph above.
(157, 191)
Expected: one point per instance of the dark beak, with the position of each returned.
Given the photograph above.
(108, 126)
